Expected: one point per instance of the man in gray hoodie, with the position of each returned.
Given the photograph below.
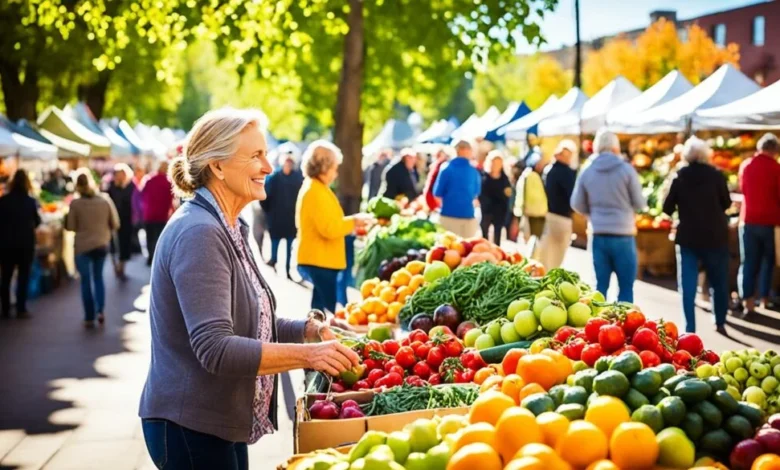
(609, 194)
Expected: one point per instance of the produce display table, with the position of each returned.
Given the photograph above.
(655, 253)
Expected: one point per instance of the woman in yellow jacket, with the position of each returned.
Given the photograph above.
(322, 224)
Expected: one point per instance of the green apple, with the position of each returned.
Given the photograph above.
(546, 294)
(471, 337)
(752, 382)
(400, 444)
(436, 270)
(526, 323)
(552, 318)
(508, 333)
(494, 329)
(568, 292)
(759, 370)
(741, 374)
(422, 435)
(776, 371)
(484, 341)
(541, 303)
(733, 364)
(755, 396)
(769, 384)
(705, 370)
(579, 314)
(517, 306)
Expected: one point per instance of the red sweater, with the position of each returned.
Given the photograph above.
(157, 198)
(759, 179)
(430, 200)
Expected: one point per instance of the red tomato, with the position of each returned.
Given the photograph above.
(435, 357)
(453, 348)
(434, 379)
(390, 346)
(361, 385)
(509, 364)
(665, 355)
(592, 328)
(422, 370)
(422, 351)
(375, 375)
(394, 379)
(611, 337)
(591, 353)
(634, 320)
(398, 370)
(372, 364)
(372, 346)
(418, 335)
(573, 349)
(582, 336)
(472, 360)
(405, 357)
(682, 358)
(645, 339)
(710, 357)
(671, 331)
(459, 378)
(390, 364)
(649, 359)
(564, 333)
(692, 343)
(406, 342)
(468, 375)
(415, 381)
(652, 324)
(415, 346)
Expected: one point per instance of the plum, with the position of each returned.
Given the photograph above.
(745, 453)
(774, 421)
(770, 439)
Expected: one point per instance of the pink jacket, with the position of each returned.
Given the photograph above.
(157, 198)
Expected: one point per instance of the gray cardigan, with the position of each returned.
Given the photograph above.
(203, 312)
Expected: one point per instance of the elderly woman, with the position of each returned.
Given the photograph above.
(217, 344)
(700, 196)
(322, 225)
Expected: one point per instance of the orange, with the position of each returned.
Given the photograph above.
(606, 413)
(562, 364)
(582, 444)
(341, 313)
(603, 465)
(545, 454)
(529, 389)
(516, 428)
(479, 432)
(494, 382)
(538, 368)
(380, 307)
(403, 293)
(415, 267)
(511, 387)
(367, 288)
(525, 463)
(381, 318)
(509, 363)
(477, 455)
(400, 278)
(489, 406)
(361, 316)
(353, 319)
(416, 282)
(387, 294)
(372, 318)
(633, 445)
(369, 305)
(766, 462)
(553, 426)
(482, 374)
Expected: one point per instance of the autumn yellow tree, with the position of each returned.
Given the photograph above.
(656, 52)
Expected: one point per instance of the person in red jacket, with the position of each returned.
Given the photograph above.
(157, 203)
(759, 180)
(441, 158)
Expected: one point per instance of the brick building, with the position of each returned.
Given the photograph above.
(755, 28)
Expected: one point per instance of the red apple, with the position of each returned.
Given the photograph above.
(435, 254)
(774, 421)
(745, 453)
(467, 246)
(770, 439)
(459, 247)
(464, 328)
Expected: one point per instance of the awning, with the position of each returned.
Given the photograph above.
(120, 147)
(61, 130)
(595, 110)
(565, 119)
(668, 88)
(395, 134)
(759, 111)
(150, 141)
(724, 86)
(512, 113)
(528, 124)
(124, 129)
(13, 144)
(476, 126)
(438, 133)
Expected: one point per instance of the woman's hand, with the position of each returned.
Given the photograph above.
(363, 220)
(330, 357)
(317, 331)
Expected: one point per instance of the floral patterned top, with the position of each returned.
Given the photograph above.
(261, 423)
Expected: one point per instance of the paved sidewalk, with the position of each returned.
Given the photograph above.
(70, 396)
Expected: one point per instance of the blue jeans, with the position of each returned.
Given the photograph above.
(323, 295)
(716, 265)
(93, 290)
(615, 254)
(275, 252)
(345, 278)
(173, 447)
(757, 251)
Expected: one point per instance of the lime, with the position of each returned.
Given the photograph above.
(651, 416)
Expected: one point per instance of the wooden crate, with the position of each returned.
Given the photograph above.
(655, 253)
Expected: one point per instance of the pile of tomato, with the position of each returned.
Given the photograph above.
(656, 342)
(417, 360)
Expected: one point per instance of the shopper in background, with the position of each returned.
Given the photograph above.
(494, 198)
(373, 175)
(282, 188)
(442, 157)
(400, 177)
(157, 196)
(137, 204)
(56, 184)
(19, 216)
(322, 225)
(93, 217)
(121, 191)
(700, 196)
(609, 194)
(530, 198)
(458, 186)
(559, 179)
(759, 180)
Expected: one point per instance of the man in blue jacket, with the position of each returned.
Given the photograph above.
(609, 193)
(458, 186)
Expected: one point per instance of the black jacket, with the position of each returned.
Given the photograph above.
(373, 177)
(559, 182)
(700, 195)
(399, 180)
(123, 200)
(279, 205)
(18, 219)
(495, 195)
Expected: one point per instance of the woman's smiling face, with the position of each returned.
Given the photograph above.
(245, 172)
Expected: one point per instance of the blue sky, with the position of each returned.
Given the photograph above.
(606, 17)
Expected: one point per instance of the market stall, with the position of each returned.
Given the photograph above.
(758, 111)
(527, 124)
(395, 134)
(63, 131)
(155, 147)
(567, 110)
(673, 85)
(512, 113)
(438, 133)
(475, 127)
(120, 147)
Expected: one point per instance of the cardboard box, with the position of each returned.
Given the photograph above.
(296, 460)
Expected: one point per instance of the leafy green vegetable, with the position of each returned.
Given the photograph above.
(383, 207)
(408, 398)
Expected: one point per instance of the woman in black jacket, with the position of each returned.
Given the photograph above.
(19, 213)
(121, 193)
(494, 199)
(281, 190)
(701, 197)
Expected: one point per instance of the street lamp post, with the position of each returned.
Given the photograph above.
(578, 46)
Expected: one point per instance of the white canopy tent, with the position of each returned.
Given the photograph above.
(518, 129)
(126, 131)
(147, 136)
(567, 111)
(759, 111)
(439, 131)
(477, 126)
(120, 147)
(724, 86)
(395, 134)
(614, 94)
(13, 144)
(668, 88)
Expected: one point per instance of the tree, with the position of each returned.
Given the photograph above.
(519, 78)
(656, 52)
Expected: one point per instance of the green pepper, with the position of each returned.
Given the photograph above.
(353, 375)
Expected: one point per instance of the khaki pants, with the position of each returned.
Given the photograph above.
(465, 228)
(556, 239)
(532, 226)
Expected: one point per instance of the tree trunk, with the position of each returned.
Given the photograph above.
(94, 94)
(349, 129)
(21, 98)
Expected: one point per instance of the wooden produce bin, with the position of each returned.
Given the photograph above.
(579, 228)
(655, 253)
